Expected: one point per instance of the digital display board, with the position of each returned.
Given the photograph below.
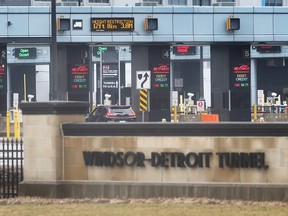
(2, 79)
(241, 76)
(102, 49)
(98, 50)
(268, 49)
(184, 50)
(79, 78)
(112, 24)
(25, 53)
(161, 76)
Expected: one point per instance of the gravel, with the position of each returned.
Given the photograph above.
(195, 201)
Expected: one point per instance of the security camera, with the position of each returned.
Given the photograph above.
(30, 97)
(107, 101)
(107, 96)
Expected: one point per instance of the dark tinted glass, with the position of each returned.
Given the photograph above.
(125, 110)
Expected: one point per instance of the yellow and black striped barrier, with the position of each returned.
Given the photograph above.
(143, 100)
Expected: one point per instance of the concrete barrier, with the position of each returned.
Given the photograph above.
(140, 160)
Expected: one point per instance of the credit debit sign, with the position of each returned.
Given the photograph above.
(161, 76)
(79, 78)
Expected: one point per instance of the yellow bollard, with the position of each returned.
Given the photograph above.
(175, 113)
(8, 124)
(16, 124)
(255, 112)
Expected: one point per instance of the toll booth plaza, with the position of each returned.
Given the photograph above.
(221, 142)
(223, 56)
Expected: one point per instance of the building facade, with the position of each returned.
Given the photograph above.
(145, 2)
(265, 57)
(163, 2)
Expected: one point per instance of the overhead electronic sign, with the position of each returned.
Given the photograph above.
(98, 50)
(268, 49)
(25, 53)
(112, 24)
(184, 50)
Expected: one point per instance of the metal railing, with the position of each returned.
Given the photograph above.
(11, 167)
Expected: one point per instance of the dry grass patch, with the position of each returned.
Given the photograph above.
(137, 207)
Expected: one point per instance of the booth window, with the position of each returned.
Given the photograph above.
(202, 2)
(177, 2)
(273, 3)
(99, 1)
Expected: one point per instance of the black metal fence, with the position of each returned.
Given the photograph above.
(11, 167)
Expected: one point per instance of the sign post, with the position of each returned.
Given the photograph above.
(143, 83)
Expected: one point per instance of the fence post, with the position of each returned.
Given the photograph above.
(11, 172)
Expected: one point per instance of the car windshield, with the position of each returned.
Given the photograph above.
(124, 110)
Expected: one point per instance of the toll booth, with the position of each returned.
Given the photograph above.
(230, 82)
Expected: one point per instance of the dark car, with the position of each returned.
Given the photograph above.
(111, 113)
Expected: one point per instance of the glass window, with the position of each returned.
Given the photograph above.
(158, 1)
(177, 2)
(98, 1)
(62, 0)
(202, 2)
(225, 0)
(273, 3)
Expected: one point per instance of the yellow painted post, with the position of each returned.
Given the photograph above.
(175, 113)
(16, 124)
(25, 89)
(8, 124)
(255, 112)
